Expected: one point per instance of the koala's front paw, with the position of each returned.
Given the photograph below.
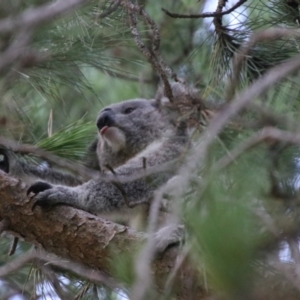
(38, 187)
(46, 195)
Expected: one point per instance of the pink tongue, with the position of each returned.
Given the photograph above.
(102, 131)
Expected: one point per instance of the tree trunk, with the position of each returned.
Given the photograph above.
(84, 238)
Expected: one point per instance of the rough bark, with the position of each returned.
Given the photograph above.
(83, 237)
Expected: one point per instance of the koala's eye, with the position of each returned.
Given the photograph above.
(128, 110)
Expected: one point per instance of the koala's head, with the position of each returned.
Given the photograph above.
(128, 127)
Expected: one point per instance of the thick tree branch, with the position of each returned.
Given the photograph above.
(80, 236)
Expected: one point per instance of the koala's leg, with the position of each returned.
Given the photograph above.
(95, 196)
(29, 173)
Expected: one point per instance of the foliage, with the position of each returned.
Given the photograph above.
(85, 62)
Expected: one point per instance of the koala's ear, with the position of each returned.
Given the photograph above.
(159, 103)
(4, 161)
(160, 93)
(184, 96)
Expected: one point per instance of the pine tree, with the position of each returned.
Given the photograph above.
(61, 62)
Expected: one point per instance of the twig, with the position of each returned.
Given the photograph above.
(112, 8)
(128, 77)
(242, 53)
(204, 15)
(153, 57)
(129, 204)
(273, 117)
(28, 58)
(13, 246)
(34, 17)
(221, 119)
(16, 49)
(241, 100)
(187, 47)
(295, 250)
(144, 276)
(287, 270)
(52, 277)
(119, 186)
(4, 224)
(156, 45)
(267, 133)
(143, 262)
(179, 262)
(267, 220)
(218, 19)
(63, 264)
(294, 247)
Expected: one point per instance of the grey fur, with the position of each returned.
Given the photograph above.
(145, 138)
(140, 142)
(30, 173)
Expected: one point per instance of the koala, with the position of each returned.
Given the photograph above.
(139, 147)
(135, 141)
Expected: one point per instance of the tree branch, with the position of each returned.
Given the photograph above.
(34, 17)
(268, 133)
(204, 15)
(80, 236)
(241, 100)
(63, 264)
(243, 52)
(152, 55)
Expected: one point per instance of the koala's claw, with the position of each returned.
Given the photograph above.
(42, 204)
(35, 189)
(47, 196)
(38, 187)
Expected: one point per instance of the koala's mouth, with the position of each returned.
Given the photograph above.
(113, 136)
(103, 130)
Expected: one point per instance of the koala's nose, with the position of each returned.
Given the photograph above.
(105, 119)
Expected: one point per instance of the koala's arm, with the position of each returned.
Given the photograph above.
(97, 195)
(30, 173)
